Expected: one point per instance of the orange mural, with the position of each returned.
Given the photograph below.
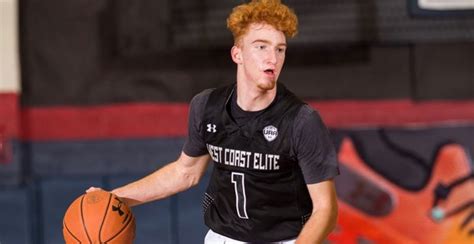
(440, 213)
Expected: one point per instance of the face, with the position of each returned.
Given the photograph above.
(259, 55)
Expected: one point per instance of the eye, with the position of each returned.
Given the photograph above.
(281, 50)
(261, 47)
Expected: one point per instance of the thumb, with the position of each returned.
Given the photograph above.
(92, 189)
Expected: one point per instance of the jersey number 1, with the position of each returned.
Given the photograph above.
(238, 179)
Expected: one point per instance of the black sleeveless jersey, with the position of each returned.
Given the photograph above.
(256, 192)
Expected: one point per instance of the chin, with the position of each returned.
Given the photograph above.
(269, 85)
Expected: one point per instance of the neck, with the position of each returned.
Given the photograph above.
(251, 98)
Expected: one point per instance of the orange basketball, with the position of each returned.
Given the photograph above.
(98, 217)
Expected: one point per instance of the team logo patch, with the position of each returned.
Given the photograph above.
(270, 132)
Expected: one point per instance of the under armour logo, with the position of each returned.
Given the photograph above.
(117, 208)
(211, 128)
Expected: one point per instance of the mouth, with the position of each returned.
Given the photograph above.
(270, 72)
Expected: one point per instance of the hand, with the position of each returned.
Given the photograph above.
(128, 202)
(92, 189)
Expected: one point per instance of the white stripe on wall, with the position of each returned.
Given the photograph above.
(9, 52)
(446, 4)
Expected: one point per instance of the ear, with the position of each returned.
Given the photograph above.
(236, 54)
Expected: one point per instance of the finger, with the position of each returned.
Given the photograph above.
(92, 189)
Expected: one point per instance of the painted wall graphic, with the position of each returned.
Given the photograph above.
(376, 210)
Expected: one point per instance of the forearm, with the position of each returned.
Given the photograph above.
(169, 180)
(318, 227)
(158, 185)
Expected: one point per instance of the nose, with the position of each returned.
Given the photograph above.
(272, 57)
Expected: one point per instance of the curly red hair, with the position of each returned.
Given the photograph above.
(271, 12)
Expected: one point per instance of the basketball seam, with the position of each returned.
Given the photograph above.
(83, 222)
(70, 232)
(105, 216)
(123, 228)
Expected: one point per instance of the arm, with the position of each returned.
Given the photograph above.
(175, 177)
(179, 175)
(324, 215)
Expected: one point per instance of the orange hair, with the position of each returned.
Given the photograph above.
(271, 12)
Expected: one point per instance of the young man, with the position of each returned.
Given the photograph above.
(274, 163)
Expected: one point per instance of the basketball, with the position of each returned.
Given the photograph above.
(98, 217)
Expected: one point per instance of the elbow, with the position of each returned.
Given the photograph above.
(186, 178)
(334, 214)
(333, 224)
(329, 213)
(194, 181)
(191, 180)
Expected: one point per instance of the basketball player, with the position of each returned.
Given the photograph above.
(274, 163)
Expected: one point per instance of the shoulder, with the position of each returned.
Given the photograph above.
(307, 114)
(203, 96)
(199, 100)
(197, 106)
(308, 123)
